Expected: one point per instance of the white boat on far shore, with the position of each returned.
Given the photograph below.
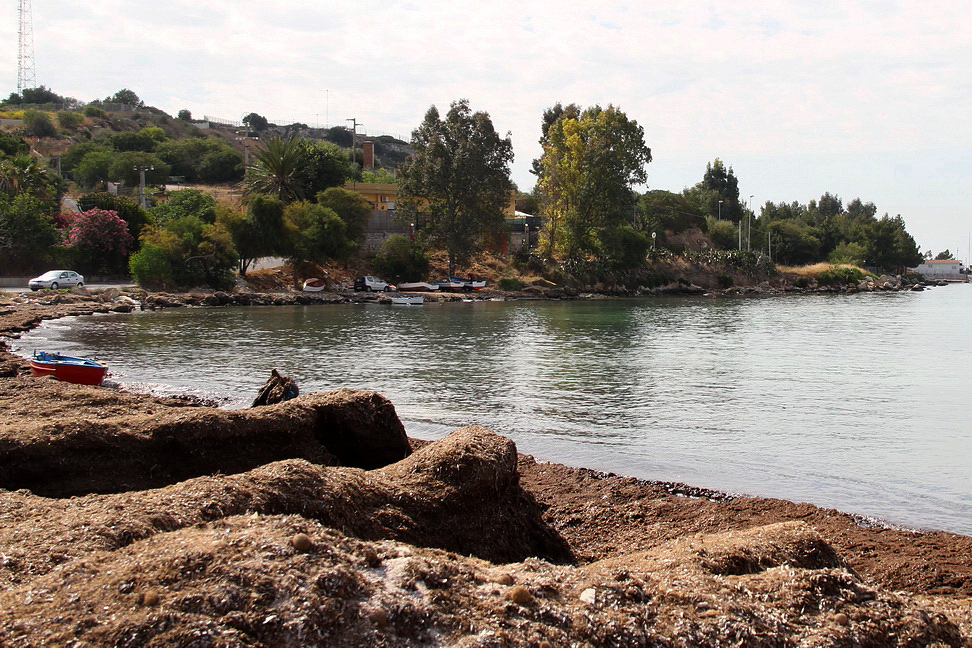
(417, 285)
(408, 300)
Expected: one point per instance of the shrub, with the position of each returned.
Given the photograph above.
(70, 120)
(840, 276)
(94, 111)
(510, 284)
(39, 123)
(401, 259)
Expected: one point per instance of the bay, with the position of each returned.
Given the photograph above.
(857, 402)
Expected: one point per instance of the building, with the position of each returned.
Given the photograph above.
(942, 270)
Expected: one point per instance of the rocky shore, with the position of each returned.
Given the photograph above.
(131, 520)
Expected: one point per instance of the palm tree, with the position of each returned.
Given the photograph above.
(279, 170)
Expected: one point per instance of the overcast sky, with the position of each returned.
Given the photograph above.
(868, 99)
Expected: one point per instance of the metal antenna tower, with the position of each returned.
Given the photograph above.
(25, 50)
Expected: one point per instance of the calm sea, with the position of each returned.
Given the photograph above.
(858, 402)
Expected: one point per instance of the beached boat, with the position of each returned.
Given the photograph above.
(314, 285)
(408, 300)
(458, 283)
(82, 371)
(418, 285)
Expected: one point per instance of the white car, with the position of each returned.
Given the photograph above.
(55, 279)
(370, 283)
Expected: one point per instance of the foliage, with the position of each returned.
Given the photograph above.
(185, 115)
(39, 123)
(93, 167)
(624, 246)
(378, 176)
(851, 253)
(132, 141)
(256, 122)
(94, 111)
(100, 238)
(457, 184)
(401, 259)
(889, 246)
(317, 235)
(258, 232)
(325, 165)
(353, 208)
(124, 168)
(278, 170)
(185, 253)
(40, 95)
(125, 96)
(944, 256)
(201, 159)
(723, 233)
(185, 202)
(510, 284)
(27, 231)
(128, 210)
(660, 210)
(588, 167)
(11, 145)
(840, 276)
(69, 119)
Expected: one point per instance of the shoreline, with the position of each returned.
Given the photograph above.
(601, 516)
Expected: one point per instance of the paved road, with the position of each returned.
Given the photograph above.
(93, 286)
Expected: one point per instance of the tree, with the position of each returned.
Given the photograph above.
(185, 202)
(125, 96)
(944, 256)
(325, 165)
(125, 168)
(718, 193)
(588, 168)
(40, 95)
(93, 167)
(27, 231)
(128, 210)
(256, 122)
(185, 115)
(317, 234)
(457, 183)
(353, 208)
(889, 246)
(279, 170)
(11, 145)
(185, 253)
(99, 237)
(401, 259)
(39, 123)
(258, 232)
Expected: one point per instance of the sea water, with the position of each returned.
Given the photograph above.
(858, 402)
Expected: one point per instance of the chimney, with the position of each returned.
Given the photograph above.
(368, 150)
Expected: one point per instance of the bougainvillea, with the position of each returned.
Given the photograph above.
(99, 234)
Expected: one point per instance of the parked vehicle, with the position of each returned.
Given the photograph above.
(55, 279)
(369, 284)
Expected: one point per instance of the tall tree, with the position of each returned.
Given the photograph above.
(279, 170)
(457, 183)
(589, 165)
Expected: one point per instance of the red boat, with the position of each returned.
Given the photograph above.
(81, 371)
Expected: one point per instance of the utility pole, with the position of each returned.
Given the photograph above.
(25, 50)
(354, 135)
(141, 183)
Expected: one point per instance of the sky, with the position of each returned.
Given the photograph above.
(862, 99)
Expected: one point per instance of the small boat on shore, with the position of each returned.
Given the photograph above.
(418, 285)
(458, 283)
(314, 285)
(81, 371)
(408, 300)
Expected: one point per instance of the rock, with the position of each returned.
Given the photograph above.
(277, 389)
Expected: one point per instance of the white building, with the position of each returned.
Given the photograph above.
(942, 270)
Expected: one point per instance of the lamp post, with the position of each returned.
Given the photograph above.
(526, 233)
(720, 210)
(141, 168)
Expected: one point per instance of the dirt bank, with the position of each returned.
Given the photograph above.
(124, 525)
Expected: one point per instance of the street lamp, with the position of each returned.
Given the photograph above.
(142, 168)
(720, 210)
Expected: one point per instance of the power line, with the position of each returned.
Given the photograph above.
(25, 49)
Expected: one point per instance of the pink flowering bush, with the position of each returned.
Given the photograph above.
(99, 236)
